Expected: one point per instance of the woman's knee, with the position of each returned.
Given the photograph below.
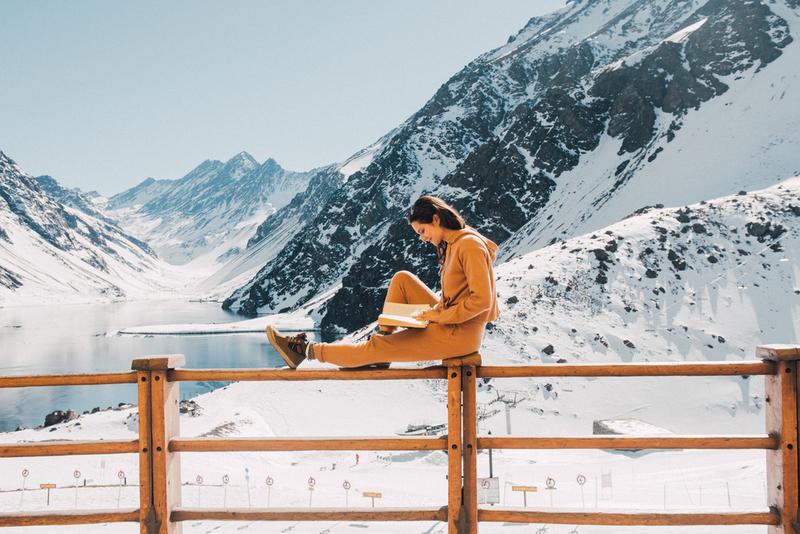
(401, 278)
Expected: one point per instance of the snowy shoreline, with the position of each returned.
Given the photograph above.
(290, 322)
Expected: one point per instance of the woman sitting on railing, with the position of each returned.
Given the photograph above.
(456, 320)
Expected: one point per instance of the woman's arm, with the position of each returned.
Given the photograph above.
(432, 314)
(476, 263)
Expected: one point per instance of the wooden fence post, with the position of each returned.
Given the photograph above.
(781, 415)
(147, 520)
(470, 451)
(160, 473)
(453, 448)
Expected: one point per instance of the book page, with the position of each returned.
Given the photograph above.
(406, 310)
(400, 320)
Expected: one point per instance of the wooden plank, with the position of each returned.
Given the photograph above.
(166, 465)
(234, 375)
(305, 514)
(83, 379)
(470, 450)
(453, 449)
(147, 518)
(778, 352)
(158, 362)
(68, 448)
(159, 442)
(84, 517)
(630, 442)
(630, 369)
(634, 518)
(782, 463)
(308, 444)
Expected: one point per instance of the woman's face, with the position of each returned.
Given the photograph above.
(431, 232)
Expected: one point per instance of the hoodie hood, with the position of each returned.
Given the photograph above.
(490, 245)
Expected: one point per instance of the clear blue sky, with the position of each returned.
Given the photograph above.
(101, 94)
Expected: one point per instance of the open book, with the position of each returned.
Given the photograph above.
(397, 314)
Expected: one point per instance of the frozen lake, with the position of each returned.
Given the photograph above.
(80, 338)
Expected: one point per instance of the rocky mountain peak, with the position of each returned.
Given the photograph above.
(269, 167)
(239, 165)
(243, 156)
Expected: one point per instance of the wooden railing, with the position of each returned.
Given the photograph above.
(159, 445)
(68, 449)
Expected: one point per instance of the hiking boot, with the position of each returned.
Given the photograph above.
(293, 349)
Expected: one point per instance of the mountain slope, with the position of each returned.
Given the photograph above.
(51, 252)
(663, 278)
(583, 154)
(272, 235)
(74, 198)
(554, 127)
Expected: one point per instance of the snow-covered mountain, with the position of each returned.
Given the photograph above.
(584, 116)
(54, 251)
(207, 216)
(269, 237)
(278, 230)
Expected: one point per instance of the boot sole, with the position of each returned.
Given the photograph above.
(372, 366)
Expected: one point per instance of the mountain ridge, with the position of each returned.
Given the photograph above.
(51, 251)
(206, 216)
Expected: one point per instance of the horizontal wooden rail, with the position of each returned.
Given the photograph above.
(85, 379)
(637, 518)
(308, 444)
(305, 514)
(68, 448)
(85, 517)
(630, 369)
(778, 352)
(630, 442)
(234, 375)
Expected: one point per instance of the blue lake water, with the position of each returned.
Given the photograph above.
(73, 339)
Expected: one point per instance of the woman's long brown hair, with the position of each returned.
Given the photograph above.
(426, 207)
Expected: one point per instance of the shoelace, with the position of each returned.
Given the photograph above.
(297, 341)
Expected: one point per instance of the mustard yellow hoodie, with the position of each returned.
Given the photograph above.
(467, 278)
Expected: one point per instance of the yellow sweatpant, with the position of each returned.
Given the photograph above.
(413, 344)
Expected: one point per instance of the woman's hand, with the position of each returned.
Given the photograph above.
(431, 315)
